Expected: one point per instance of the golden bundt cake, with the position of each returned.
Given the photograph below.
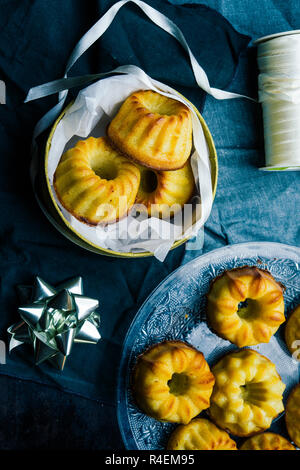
(292, 415)
(161, 190)
(245, 306)
(267, 441)
(247, 394)
(200, 434)
(95, 183)
(292, 333)
(153, 130)
(172, 382)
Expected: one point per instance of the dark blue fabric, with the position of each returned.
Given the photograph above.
(36, 38)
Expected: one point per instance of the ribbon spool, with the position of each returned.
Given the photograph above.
(278, 58)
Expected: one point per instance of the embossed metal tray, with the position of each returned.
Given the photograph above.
(176, 310)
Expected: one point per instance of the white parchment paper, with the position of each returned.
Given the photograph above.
(90, 114)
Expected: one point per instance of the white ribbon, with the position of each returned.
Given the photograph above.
(279, 92)
(95, 32)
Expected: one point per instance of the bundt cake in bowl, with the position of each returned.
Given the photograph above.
(153, 130)
(164, 193)
(95, 183)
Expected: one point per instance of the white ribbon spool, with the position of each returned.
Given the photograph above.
(278, 58)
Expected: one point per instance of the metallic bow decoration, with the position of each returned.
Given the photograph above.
(55, 319)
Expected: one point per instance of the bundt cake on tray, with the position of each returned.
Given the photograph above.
(172, 382)
(247, 394)
(200, 434)
(245, 306)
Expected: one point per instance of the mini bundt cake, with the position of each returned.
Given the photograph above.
(200, 434)
(247, 394)
(153, 130)
(164, 193)
(95, 183)
(292, 333)
(267, 441)
(292, 415)
(172, 382)
(245, 306)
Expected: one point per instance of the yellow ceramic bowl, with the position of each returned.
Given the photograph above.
(60, 222)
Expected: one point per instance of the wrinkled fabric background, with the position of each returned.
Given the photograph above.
(249, 205)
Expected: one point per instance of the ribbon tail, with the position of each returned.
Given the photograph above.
(96, 32)
(14, 343)
(63, 84)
